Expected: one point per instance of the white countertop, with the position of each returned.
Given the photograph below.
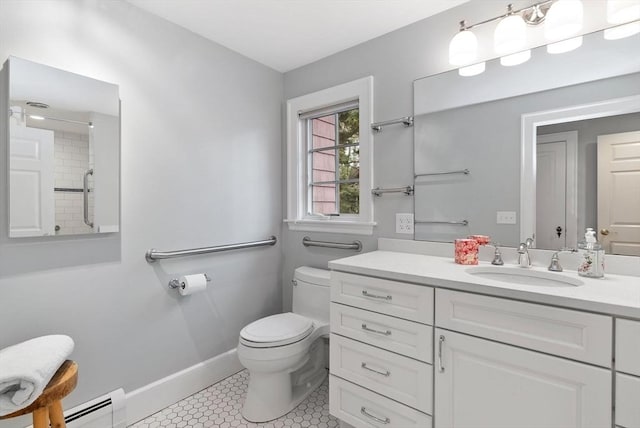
(614, 294)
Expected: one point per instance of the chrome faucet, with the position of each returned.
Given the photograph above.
(523, 253)
(554, 265)
(497, 255)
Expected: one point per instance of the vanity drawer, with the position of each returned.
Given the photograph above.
(363, 408)
(398, 299)
(628, 346)
(563, 332)
(394, 334)
(399, 378)
(627, 401)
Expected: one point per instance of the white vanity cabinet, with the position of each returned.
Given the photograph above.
(480, 382)
(627, 373)
(381, 352)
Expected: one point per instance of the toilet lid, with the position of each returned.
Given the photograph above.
(276, 330)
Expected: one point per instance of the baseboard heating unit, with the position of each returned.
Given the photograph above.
(107, 411)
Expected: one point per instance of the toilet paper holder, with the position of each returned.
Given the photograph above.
(175, 283)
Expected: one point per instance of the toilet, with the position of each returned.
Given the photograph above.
(285, 353)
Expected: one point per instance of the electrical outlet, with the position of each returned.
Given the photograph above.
(505, 217)
(404, 222)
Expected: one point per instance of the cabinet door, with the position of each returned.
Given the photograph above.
(479, 383)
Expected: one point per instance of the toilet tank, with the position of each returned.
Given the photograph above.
(311, 293)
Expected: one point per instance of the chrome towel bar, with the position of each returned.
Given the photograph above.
(356, 245)
(152, 255)
(462, 171)
(406, 121)
(461, 222)
(407, 190)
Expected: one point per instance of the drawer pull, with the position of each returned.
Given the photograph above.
(364, 411)
(371, 330)
(365, 293)
(385, 373)
(440, 366)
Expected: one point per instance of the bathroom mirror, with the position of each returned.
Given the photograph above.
(476, 163)
(64, 152)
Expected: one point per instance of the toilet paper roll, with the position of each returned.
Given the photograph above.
(190, 284)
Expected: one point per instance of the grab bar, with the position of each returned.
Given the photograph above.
(356, 245)
(462, 171)
(461, 222)
(85, 194)
(152, 255)
(407, 190)
(406, 121)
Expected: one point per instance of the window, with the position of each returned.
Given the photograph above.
(330, 159)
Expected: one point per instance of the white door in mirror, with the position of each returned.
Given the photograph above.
(31, 202)
(618, 197)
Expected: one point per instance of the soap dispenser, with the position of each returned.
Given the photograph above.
(592, 256)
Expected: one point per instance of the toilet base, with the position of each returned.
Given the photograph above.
(271, 395)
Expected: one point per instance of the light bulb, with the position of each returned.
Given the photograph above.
(563, 20)
(515, 59)
(565, 45)
(463, 48)
(510, 35)
(621, 11)
(472, 70)
(622, 31)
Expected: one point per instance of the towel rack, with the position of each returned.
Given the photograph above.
(462, 171)
(460, 222)
(356, 245)
(407, 121)
(407, 190)
(152, 255)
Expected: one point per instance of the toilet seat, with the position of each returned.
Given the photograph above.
(276, 330)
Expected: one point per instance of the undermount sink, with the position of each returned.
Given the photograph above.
(516, 275)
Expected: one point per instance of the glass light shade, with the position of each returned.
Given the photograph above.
(622, 31)
(472, 70)
(463, 48)
(510, 35)
(621, 11)
(563, 20)
(565, 45)
(515, 59)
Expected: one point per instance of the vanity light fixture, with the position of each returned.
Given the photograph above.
(562, 18)
(621, 12)
(509, 38)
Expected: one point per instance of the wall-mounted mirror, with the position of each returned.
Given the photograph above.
(63, 154)
(518, 151)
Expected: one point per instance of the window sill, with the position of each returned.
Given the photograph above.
(332, 226)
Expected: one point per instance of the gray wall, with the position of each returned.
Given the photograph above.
(588, 132)
(201, 165)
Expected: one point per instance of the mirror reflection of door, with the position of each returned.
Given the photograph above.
(619, 193)
(555, 190)
(31, 204)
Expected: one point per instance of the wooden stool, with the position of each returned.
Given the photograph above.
(49, 405)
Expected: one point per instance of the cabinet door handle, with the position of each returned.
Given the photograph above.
(440, 343)
(365, 293)
(371, 330)
(385, 373)
(364, 411)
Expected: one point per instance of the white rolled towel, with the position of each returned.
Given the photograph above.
(27, 368)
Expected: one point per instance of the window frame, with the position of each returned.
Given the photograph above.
(297, 152)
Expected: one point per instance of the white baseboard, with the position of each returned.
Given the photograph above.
(156, 396)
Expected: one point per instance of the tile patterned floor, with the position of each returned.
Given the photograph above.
(220, 406)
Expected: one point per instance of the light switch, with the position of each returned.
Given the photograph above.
(506, 217)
